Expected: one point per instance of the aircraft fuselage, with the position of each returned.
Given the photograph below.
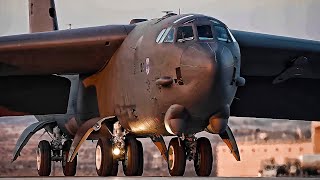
(149, 73)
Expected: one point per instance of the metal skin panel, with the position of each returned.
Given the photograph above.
(84, 50)
(126, 72)
(269, 55)
(27, 134)
(127, 86)
(282, 77)
(42, 16)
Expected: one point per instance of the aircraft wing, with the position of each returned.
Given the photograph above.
(29, 62)
(84, 50)
(282, 77)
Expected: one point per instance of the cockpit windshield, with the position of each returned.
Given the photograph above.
(204, 32)
(170, 36)
(166, 35)
(222, 33)
(185, 33)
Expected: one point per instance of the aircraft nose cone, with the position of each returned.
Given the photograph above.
(198, 69)
(208, 74)
(198, 64)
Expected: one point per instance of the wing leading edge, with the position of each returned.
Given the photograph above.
(84, 50)
(282, 77)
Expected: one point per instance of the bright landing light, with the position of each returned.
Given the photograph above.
(116, 151)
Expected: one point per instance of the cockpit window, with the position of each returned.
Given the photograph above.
(166, 35)
(222, 33)
(170, 36)
(160, 35)
(204, 32)
(185, 33)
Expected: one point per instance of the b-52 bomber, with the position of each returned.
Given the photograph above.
(171, 76)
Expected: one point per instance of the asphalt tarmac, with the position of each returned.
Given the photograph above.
(154, 178)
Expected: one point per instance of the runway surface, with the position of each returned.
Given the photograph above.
(155, 178)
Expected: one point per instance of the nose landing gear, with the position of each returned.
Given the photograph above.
(133, 160)
(110, 151)
(182, 148)
(176, 157)
(203, 158)
(104, 158)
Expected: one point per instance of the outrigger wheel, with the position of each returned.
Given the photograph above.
(69, 168)
(203, 158)
(176, 157)
(104, 157)
(44, 158)
(133, 162)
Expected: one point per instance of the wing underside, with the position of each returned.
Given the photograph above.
(282, 77)
(30, 65)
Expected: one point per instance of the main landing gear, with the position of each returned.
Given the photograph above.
(189, 148)
(111, 151)
(55, 151)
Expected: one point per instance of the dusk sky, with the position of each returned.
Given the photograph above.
(297, 18)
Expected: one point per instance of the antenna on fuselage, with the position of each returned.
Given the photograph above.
(167, 12)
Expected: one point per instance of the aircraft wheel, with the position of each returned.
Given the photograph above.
(44, 158)
(203, 159)
(131, 161)
(176, 157)
(104, 157)
(115, 168)
(141, 161)
(69, 168)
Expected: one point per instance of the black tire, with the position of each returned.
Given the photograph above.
(44, 158)
(68, 168)
(203, 159)
(141, 161)
(115, 168)
(176, 157)
(131, 162)
(104, 157)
